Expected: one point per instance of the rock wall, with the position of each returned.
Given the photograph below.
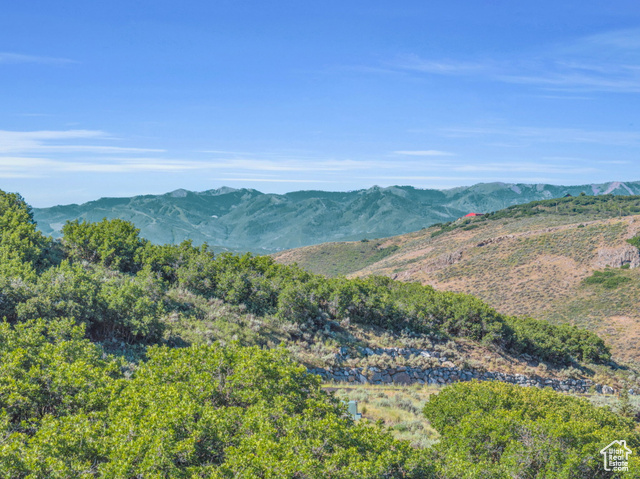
(407, 353)
(447, 375)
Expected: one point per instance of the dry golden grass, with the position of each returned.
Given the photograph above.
(398, 407)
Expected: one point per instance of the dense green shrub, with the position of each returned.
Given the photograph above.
(298, 303)
(554, 343)
(132, 308)
(108, 304)
(67, 290)
(49, 368)
(13, 292)
(609, 279)
(501, 430)
(635, 241)
(113, 243)
(208, 411)
(184, 265)
(23, 249)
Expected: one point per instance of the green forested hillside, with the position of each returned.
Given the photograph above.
(121, 358)
(583, 207)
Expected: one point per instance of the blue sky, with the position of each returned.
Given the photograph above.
(121, 98)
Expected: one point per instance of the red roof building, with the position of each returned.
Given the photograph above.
(470, 215)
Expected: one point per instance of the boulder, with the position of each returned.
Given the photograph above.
(402, 378)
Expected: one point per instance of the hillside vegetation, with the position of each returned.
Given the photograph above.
(122, 358)
(531, 260)
(117, 285)
(248, 220)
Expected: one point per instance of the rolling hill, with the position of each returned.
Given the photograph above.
(532, 260)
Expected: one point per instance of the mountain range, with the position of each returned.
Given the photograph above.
(248, 220)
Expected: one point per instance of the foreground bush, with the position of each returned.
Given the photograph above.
(204, 411)
(500, 430)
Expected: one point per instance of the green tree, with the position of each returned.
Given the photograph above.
(113, 243)
(49, 368)
(108, 304)
(625, 408)
(22, 248)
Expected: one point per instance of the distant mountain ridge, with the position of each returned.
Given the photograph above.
(248, 220)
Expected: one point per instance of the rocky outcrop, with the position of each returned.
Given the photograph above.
(443, 261)
(498, 239)
(617, 257)
(447, 375)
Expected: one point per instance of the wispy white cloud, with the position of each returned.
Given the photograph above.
(22, 154)
(51, 134)
(6, 57)
(94, 149)
(30, 167)
(394, 69)
(525, 167)
(22, 167)
(293, 165)
(614, 42)
(279, 180)
(438, 67)
(616, 162)
(583, 160)
(566, 96)
(616, 80)
(226, 152)
(127, 165)
(35, 114)
(608, 61)
(26, 141)
(47, 141)
(424, 153)
(547, 135)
